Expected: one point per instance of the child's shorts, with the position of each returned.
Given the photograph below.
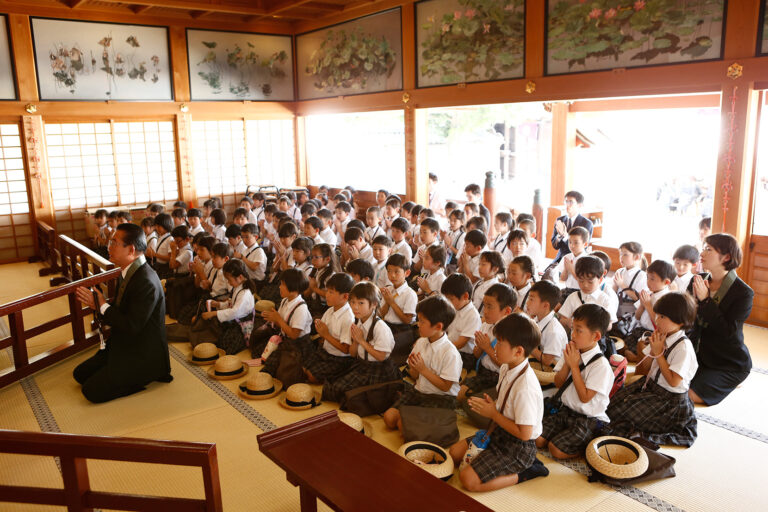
(505, 455)
(411, 396)
(570, 431)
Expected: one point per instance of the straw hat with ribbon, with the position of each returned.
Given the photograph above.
(429, 457)
(617, 457)
(260, 386)
(357, 423)
(227, 368)
(299, 397)
(204, 354)
(264, 305)
(545, 374)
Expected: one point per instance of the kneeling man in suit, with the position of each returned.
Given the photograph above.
(136, 352)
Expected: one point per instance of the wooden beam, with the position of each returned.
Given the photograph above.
(284, 6)
(75, 3)
(648, 103)
(196, 15)
(322, 6)
(139, 9)
(197, 5)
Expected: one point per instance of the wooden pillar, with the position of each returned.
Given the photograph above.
(186, 169)
(38, 176)
(735, 164)
(23, 56)
(300, 144)
(535, 16)
(179, 65)
(563, 142)
(489, 200)
(416, 179)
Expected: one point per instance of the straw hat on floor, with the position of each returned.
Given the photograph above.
(264, 305)
(430, 457)
(260, 386)
(617, 457)
(300, 397)
(205, 354)
(357, 423)
(228, 368)
(545, 376)
(618, 342)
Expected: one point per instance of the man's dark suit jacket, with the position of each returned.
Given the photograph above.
(562, 244)
(137, 349)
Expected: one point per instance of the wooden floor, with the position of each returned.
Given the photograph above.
(722, 471)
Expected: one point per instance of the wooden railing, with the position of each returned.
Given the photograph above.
(47, 251)
(25, 365)
(76, 261)
(73, 452)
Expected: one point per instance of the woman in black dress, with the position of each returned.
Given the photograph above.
(724, 303)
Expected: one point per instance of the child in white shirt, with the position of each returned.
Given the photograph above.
(433, 275)
(660, 276)
(686, 258)
(542, 300)
(457, 289)
(578, 238)
(589, 270)
(399, 227)
(491, 265)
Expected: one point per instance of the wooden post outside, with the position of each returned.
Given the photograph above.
(489, 200)
(563, 142)
(733, 183)
(300, 144)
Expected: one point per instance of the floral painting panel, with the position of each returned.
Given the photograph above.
(461, 41)
(607, 34)
(239, 66)
(101, 61)
(357, 57)
(7, 89)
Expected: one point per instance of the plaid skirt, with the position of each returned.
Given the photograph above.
(483, 380)
(654, 413)
(411, 396)
(361, 373)
(570, 431)
(305, 346)
(505, 455)
(325, 366)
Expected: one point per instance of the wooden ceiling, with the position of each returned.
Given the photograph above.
(235, 12)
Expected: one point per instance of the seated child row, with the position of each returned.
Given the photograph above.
(355, 344)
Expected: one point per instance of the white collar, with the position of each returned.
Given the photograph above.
(589, 354)
(290, 302)
(515, 370)
(367, 324)
(439, 341)
(342, 310)
(402, 287)
(545, 321)
(672, 338)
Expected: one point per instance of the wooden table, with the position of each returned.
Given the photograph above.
(348, 471)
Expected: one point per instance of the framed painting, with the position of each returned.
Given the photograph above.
(239, 66)
(463, 41)
(762, 40)
(360, 56)
(93, 61)
(609, 34)
(7, 83)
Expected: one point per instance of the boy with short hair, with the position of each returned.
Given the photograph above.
(373, 223)
(181, 251)
(332, 358)
(399, 308)
(327, 234)
(162, 253)
(397, 231)
(542, 300)
(342, 212)
(686, 259)
(382, 248)
(510, 457)
(101, 238)
(234, 239)
(578, 238)
(355, 246)
(124, 216)
(193, 218)
(391, 213)
(148, 226)
(360, 270)
(457, 289)
(240, 216)
(312, 228)
(253, 256)
(428, 232)
(475, 195)
(434, 363)
(469, 261)
(247, 204)
(498, 302)
(590, 271)
(584, 378)
(534, 247)
(179, 216)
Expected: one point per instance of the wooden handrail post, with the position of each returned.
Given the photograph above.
(74, 472)
(76, 310)
(16, 324)
(210, 481)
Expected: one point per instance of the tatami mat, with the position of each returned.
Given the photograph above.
(722, 471)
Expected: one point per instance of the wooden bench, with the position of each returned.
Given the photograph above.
(329, 461)
(74, 450)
